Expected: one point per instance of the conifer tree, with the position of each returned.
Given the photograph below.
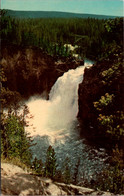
(76, 171)
(67, 173)
(50, 165)
(38, 166)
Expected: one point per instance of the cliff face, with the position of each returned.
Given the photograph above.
(99, 80)
(27, 69)
(31, 71)
(90, 90)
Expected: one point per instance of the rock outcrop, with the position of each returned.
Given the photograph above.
(16, 181)
(101, 79)
(29, 70)
(90, 90)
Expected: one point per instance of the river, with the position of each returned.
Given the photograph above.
(55, 123)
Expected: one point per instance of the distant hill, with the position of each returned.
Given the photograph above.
(52, 14)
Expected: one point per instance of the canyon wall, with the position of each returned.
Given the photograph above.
(30, 71)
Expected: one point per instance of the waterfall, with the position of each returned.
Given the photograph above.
(62, 107)
(55, 123)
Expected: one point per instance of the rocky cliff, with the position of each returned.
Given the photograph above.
(90, 90)
(101, 80)
(31, 71)
(16, 181)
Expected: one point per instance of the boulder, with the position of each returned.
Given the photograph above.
(16, 181)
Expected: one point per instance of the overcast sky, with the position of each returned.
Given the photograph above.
(104, 7)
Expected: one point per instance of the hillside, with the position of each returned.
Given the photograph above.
(53, 14)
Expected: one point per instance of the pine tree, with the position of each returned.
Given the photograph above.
(50, 165)
(76, 171)
(67, 173)
(38, 166)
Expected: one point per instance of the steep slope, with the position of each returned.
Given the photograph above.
(29, 70)
(101, 102)
(90, 90)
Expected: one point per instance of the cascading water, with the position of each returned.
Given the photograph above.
(54, 123)
(62, 107)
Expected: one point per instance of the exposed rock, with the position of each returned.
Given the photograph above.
(29, 70)
(90, 90)
(16, 181)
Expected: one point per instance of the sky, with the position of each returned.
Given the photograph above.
(103, 7)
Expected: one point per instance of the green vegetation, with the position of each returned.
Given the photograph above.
(50, 165)
(109, 114)
(37, 165)
(67, 172)
(93, 36)
(109, 108)
(112, 178)
(15, 142)
(49, 168)
(51, 34)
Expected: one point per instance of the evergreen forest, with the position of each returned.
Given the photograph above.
(92, 36)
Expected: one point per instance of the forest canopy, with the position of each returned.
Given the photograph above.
(90, 34)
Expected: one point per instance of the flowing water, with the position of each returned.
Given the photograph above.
(55, 123)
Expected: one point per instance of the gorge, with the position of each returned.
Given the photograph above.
(73, 110)
(59, 113)
(55, 123)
